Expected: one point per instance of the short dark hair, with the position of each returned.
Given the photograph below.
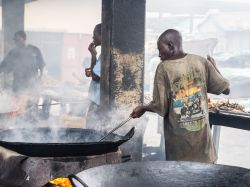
(98, 28)
(171, 35)
(21, 34)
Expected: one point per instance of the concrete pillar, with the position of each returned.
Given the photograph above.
(123, 37)
(13, 20)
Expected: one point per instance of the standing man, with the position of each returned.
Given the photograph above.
(94, 114)
(25, 62)
(181, 84)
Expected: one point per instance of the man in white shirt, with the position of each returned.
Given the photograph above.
(93, 115)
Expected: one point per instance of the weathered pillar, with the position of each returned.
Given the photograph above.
(13, 20)
(123, 52)
(123, 35)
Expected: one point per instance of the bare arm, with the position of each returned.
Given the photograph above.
(93, 53)
(139, 111)
(159, 103)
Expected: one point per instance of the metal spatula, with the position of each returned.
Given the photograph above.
(114, 129)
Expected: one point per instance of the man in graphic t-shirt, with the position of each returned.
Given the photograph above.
(181, 84)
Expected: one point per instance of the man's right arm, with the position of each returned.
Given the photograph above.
(159, 104)
(93, 53)
(92, 50)
(140, 110)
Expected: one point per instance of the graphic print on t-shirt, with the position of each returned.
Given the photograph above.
(187, 102)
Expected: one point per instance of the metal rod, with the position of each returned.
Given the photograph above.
(49, 104)
(114, 129)
(234, 113)
(58, 103)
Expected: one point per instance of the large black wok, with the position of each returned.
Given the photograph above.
(164, 174)
(60, 142)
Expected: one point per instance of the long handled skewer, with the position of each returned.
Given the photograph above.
(114, 129)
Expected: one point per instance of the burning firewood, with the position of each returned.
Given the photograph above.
(59, 182)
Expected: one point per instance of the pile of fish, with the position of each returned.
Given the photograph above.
(225, 105)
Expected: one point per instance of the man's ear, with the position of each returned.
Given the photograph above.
(171, 48)
(171, 45)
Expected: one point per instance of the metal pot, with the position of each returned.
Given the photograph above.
(162, 174)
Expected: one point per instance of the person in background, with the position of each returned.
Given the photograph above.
(25, 62)
(181, 84)
(93, 115)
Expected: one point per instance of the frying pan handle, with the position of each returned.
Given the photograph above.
(130, 133)
(72, 176)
